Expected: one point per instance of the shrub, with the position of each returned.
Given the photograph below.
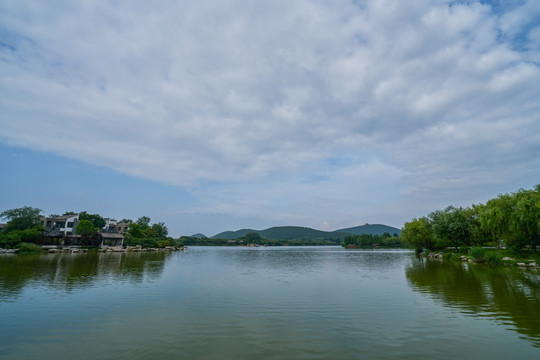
(29, 248)
(455, 257)
(493, 258)
(478, 253)
(10, 240)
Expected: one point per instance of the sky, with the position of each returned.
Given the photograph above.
(221, 115)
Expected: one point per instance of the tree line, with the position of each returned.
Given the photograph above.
(24, 226)
(369, 240)
(254, 238)
(511, 220)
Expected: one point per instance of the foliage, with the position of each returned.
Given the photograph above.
(135, 230)
(95, 219)
(89, 233)
(478, 253)
(455, 257)
(509, 219)
(513, 218)
(21, 218)
(368, 240)
(253, 237)
(86, 227)
(493, 258)
(197, 241)
(10, 240)
(143, 222)
(452, 227)
(418, 234)
(29, 248)
(156, 242)
(13, 238)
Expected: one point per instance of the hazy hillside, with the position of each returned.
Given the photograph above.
(373, 229)
(283, 233)
(234, 234)
(199, 236)
(304, 233)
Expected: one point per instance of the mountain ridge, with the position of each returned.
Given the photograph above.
(306, 233)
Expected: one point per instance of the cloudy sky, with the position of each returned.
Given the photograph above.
(220, 115)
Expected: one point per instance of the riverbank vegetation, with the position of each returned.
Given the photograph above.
(372, 241)
(255, 239)
(505, 226)
(25, 231)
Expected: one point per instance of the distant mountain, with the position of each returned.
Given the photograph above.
(199, 236)
(373, 229)
(305, 233)
(282, 233)
(234, 234)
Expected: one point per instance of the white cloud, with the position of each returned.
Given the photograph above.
(255, 96)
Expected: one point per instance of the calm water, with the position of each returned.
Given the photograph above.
(264, 303)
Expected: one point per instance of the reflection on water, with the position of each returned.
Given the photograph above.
(262, 303)
(509, 295)
(68, 272)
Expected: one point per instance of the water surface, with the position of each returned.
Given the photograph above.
(264, 303)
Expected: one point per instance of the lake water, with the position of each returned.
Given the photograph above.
(264, 303)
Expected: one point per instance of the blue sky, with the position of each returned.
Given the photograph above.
(220, 115)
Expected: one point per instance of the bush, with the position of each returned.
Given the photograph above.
(455, 257)
(10, 240)
(493, 258)
(29, 248)
(478, 253)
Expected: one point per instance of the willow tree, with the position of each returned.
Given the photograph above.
(418, 234)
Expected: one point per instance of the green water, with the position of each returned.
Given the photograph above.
(264, 303)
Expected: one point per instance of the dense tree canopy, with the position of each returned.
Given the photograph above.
(22, 218)
(418, 233)
(453, 226)
(143, 222)
(85, 227)
(96, 219)
(509, 219)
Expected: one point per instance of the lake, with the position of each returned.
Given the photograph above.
(264, 303)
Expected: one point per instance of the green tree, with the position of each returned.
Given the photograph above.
(495, 216)
(96, 219)
(21, 218)
(525, 218)
(89, 233)
(135, 230)
(143, 222)
(418, 234)
(160, 229)
(253, 237)
(86, 227)
(453, 226)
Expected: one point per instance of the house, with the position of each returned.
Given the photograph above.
(111, 239)
(122, 227)
(110, 224)
(61, 225)
(65, 227)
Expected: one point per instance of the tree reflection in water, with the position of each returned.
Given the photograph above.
(509, 295)
(67, 272)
